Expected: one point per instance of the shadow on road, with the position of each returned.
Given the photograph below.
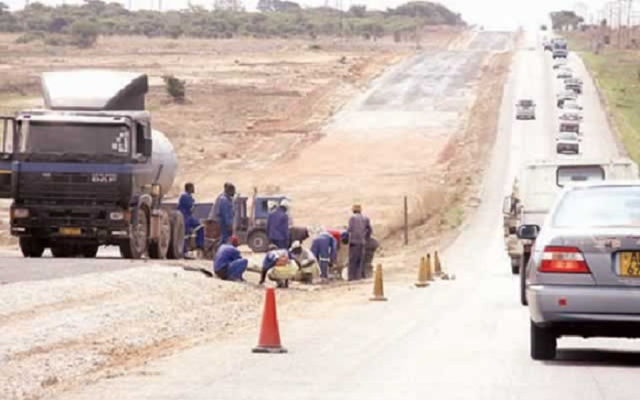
(591, 357)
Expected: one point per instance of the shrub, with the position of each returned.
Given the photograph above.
(175, 88)
(84, 34)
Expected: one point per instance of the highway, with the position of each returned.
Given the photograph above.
(462, 339)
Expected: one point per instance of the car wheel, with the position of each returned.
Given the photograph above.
(258, 242)
(543, 343)
(136, 246)
(176, 243)
(31, 247)
(89, 250)
(515, 266)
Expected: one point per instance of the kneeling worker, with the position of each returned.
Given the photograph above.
(309, 269)
(279, 267)
(228, 264)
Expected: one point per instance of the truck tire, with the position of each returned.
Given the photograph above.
(137, 245)
(515, 265)
(63, 250)
(543, 343)
(31, 247)
(176, 244)
(89, 250)
(258, 241)
(159, 247)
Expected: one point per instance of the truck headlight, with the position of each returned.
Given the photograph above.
(116, 215)
(20, 213)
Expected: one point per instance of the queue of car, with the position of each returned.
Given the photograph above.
(579, 238)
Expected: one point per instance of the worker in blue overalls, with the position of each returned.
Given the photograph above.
(186, 204)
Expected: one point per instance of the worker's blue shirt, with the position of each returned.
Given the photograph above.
(271, 258)
(278, 225)
(225, 255)
(224, 213)
(185, 204)
(324, 246)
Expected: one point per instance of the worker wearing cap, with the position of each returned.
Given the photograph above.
(186, 204)
(307, 263)
(278, 226)
(222, 212)
(324, 248)
(279, 267)
(359, 232)
(228, 264)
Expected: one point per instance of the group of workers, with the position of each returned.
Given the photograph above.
(287, 259)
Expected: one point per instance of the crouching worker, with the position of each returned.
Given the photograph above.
(324, 248)
(228, 264)
(307, 263)
(279, 267)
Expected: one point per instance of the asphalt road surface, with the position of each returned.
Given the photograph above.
(462, 339)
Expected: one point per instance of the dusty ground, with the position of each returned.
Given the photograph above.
(66, 332)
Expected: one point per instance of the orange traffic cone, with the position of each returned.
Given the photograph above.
(437, 266)
(378, 286)
(422, 274)
(269, 333)
(429, 274)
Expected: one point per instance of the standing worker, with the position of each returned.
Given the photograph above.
(324, 248)
(186, 204)
(359, 232)
(222, 212)
(228, 264)
(278, 226)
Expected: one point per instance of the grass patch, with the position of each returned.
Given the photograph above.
(617, 73)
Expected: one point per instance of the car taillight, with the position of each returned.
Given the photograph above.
(560, 259)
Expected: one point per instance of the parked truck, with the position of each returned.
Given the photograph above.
(89, 170)
(537, 187)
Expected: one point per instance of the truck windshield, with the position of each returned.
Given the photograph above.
(64, 139)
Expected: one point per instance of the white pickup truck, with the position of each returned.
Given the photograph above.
(536, 189)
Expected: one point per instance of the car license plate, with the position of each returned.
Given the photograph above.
(70, 231)
(630, 264)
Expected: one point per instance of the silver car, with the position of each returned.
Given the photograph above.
(583, 278)
(568, 142)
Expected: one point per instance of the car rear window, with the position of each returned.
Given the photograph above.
(613, 206)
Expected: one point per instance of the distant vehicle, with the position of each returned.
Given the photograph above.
(570, 126)
(565, 96)
(543, 27)
(559, 64)
(559, 48)
(574, 85)
(584, 275)
(568, 142)
(546, 45)
(570, 115)
(525, 109)
(564, 74)
(571, 105)
(537, 188)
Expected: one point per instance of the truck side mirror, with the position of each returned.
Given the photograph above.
(506, 205)
(147, 147)
(528, 232)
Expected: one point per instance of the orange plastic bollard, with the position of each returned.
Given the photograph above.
(269, 341)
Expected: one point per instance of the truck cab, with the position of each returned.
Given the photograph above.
(560, 49)
(88, 170)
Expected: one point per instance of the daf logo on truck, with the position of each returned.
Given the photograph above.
(104, 178)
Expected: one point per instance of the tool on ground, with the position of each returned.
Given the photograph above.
(422, 274)
(429, 274)
(378, 286)
(437, 266)
(269, 341)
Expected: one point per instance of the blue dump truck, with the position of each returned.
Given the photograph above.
(88, 170)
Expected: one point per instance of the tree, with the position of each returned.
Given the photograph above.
(286, 6)
(565, 19)
(84, 33)
(265, 5)
(3, 7)
(358, 11)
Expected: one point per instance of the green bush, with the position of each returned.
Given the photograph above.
(84, 34)
(175, 87)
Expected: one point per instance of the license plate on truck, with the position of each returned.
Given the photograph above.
(630, 264)
(67, 231)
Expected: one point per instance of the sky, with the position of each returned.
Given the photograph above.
(492, 14)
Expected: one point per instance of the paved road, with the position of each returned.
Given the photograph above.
(463, 339)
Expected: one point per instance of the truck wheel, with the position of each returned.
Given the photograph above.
(31, 247)
(89, 250)
(176, 242)
(515, 265)
(137, 244)
(62, 251)
(258, 241)
(523, 273)
(544, 343)
(158, 247)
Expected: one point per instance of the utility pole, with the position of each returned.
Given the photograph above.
(628, 28)
(619, 24)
